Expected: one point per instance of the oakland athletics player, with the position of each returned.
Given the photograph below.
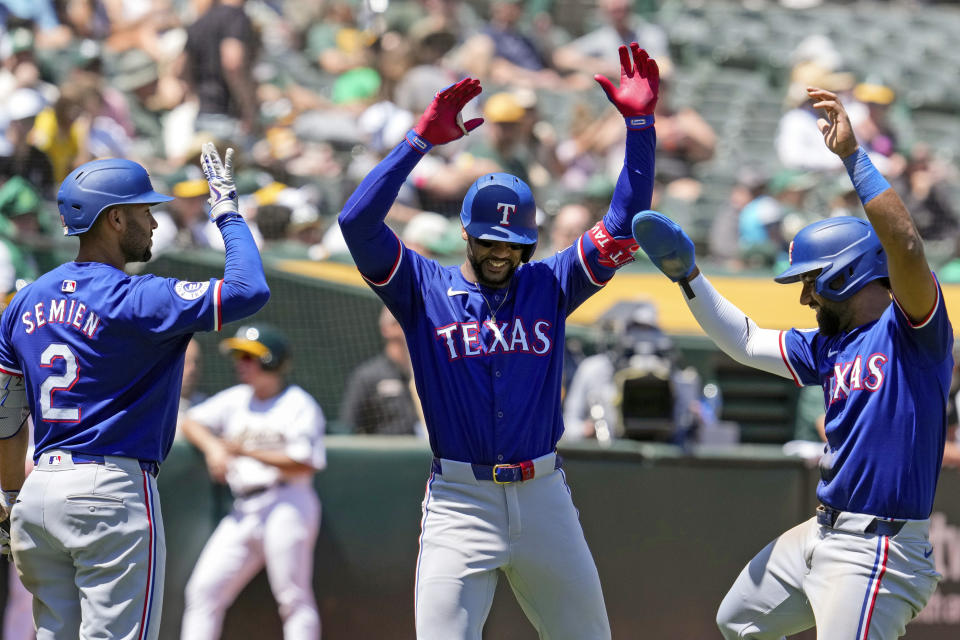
(95, 356)
(861, 568)
(486, 343)
(265, 438)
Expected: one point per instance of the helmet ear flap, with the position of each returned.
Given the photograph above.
(528, 252)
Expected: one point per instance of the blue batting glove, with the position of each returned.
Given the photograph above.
(665, 243)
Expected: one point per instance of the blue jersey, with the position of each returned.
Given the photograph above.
(488, 362)
(101, 351)
(885, 387)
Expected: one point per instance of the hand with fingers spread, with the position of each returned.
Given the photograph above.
(442, 122)
(223, 192)
(639, 83)
(835, 126)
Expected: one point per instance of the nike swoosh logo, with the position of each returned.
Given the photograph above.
(832, 352)
(452, 292)
(926, 554)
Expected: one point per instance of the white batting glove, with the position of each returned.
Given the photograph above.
(223, 193)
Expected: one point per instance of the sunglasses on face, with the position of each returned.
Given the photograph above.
(488, 244)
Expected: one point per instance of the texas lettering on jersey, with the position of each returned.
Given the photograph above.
(861, 374)
(463, 339)
(71, 312)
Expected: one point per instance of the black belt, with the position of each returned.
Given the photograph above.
(827, 517)
(501, 473)
(249, 493)
(151, 467)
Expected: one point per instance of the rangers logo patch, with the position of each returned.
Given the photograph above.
(191, 290)
(68, 286)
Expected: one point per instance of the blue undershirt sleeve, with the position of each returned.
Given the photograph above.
(372, 244)
(245, 288)
(634, 189)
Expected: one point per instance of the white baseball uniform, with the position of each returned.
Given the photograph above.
(275, 517)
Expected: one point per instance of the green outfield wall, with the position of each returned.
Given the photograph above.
(669, 532)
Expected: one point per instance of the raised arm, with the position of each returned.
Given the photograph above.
(910, 277)
(671, 251)
(635, 99)
(244, 289)
(373, 246)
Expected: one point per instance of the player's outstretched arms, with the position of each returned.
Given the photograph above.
(671, 250)
(245, 288)
(374, 247)
(910, 277)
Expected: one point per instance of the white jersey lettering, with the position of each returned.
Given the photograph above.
(447, 334)
(506, 210)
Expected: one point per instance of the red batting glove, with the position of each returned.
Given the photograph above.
(639, 83)
(441, 122)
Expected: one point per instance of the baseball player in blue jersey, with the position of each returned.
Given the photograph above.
(95, 357)
(486, 344)
(861, 567)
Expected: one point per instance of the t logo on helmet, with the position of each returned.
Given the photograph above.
(506, 210)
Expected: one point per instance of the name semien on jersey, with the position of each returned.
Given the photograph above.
(463, 339)
(71, 312)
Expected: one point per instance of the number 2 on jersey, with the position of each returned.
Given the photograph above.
(55, 383)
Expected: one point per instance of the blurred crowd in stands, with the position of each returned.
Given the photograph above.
(314, 93)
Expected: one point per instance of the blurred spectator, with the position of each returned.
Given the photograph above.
(798, 142)
(431, 235)
(19, 68)
(506, 53)
(590, 53)
(503, 141)
(219, 57)
(875, 130)
(568, 224)
(19, 232)
(927, 186)
(41, 14)
(724, 238)
(431, 41)
(62, 131)
(18, 156)
(136, 75)
(335, 41)
(633, 388)
(379, 397)
(684, 139)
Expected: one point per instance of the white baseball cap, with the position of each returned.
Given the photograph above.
(24, 103)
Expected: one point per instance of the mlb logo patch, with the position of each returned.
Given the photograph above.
(68, 286)
(55, 460)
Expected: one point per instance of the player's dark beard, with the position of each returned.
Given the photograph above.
(134, 245)
(477, 266)
(829, 321)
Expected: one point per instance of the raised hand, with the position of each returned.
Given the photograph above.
(442, 122)
(665, 243)
(223, 192)
(639, 83)
(835, 126)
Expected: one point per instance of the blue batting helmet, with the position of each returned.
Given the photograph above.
(97, 185)
(845, 249)
(500, 207)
